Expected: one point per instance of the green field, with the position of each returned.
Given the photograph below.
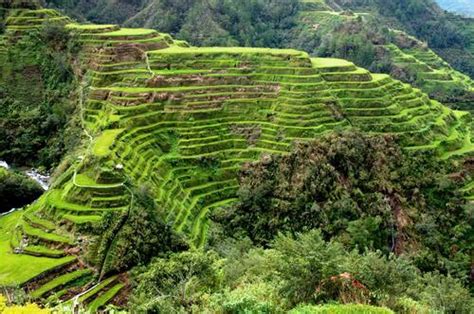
(18, 268)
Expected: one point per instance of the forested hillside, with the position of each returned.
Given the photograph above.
(449, 35)
(462, 7)
(36, 112)
(210, 179)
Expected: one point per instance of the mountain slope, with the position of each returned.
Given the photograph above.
(326, 28)
(358, 36)
(166, 129)
(463, 7)
(37, 125)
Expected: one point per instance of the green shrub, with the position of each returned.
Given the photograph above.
(357, 189)
(340, 309)
(17, 190)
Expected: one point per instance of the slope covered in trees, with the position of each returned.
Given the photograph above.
(462, 7)
(36, 84)
(176, 138)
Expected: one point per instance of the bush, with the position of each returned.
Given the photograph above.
(340, 309)
(175, 284)
(295, 270)
(133, 238)
(18, 309)
(17, 190)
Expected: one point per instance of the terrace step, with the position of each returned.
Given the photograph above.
(97, 289)
(105, 298)
(59, 282)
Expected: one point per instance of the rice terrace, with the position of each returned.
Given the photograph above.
(222, 179)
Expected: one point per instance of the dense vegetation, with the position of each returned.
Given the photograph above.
(144, 231)
(365, 192)
(17, 190)
(294, 270)
(348, 218)
(215, 179)
(204, 23)
(423, 18)
(37, 122)
(29, 308)
(360, 31)
(462, 7)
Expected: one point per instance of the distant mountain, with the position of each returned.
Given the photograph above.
(463, 7)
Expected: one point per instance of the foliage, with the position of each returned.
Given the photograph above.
(444, 32)
(336, 309)
(132, 239)
(363, 191)
(421, 18)
(37, 82)
(443, 293)
(259, 297)
(176, 284)
(16, 309)
(17, 190)
(348, 46)
(292, 272)
(262, 23)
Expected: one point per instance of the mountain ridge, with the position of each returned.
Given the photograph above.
(463, 7)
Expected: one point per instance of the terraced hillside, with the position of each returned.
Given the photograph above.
(411, 60)
(181, 121)
(435, 76)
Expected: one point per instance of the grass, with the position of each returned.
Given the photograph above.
(55, 200)
(105, 297)
(15, 269)
(103, 143)
(228, 50)
(86, 181)
(44, 251)
(43, 235)
(128, 32)
(97, 289)
(59, 282)
(82, 219)
(341, 309)
(330, 63)
(42, 223)
(90, 26)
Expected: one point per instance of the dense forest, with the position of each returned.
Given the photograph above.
(37, 124)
